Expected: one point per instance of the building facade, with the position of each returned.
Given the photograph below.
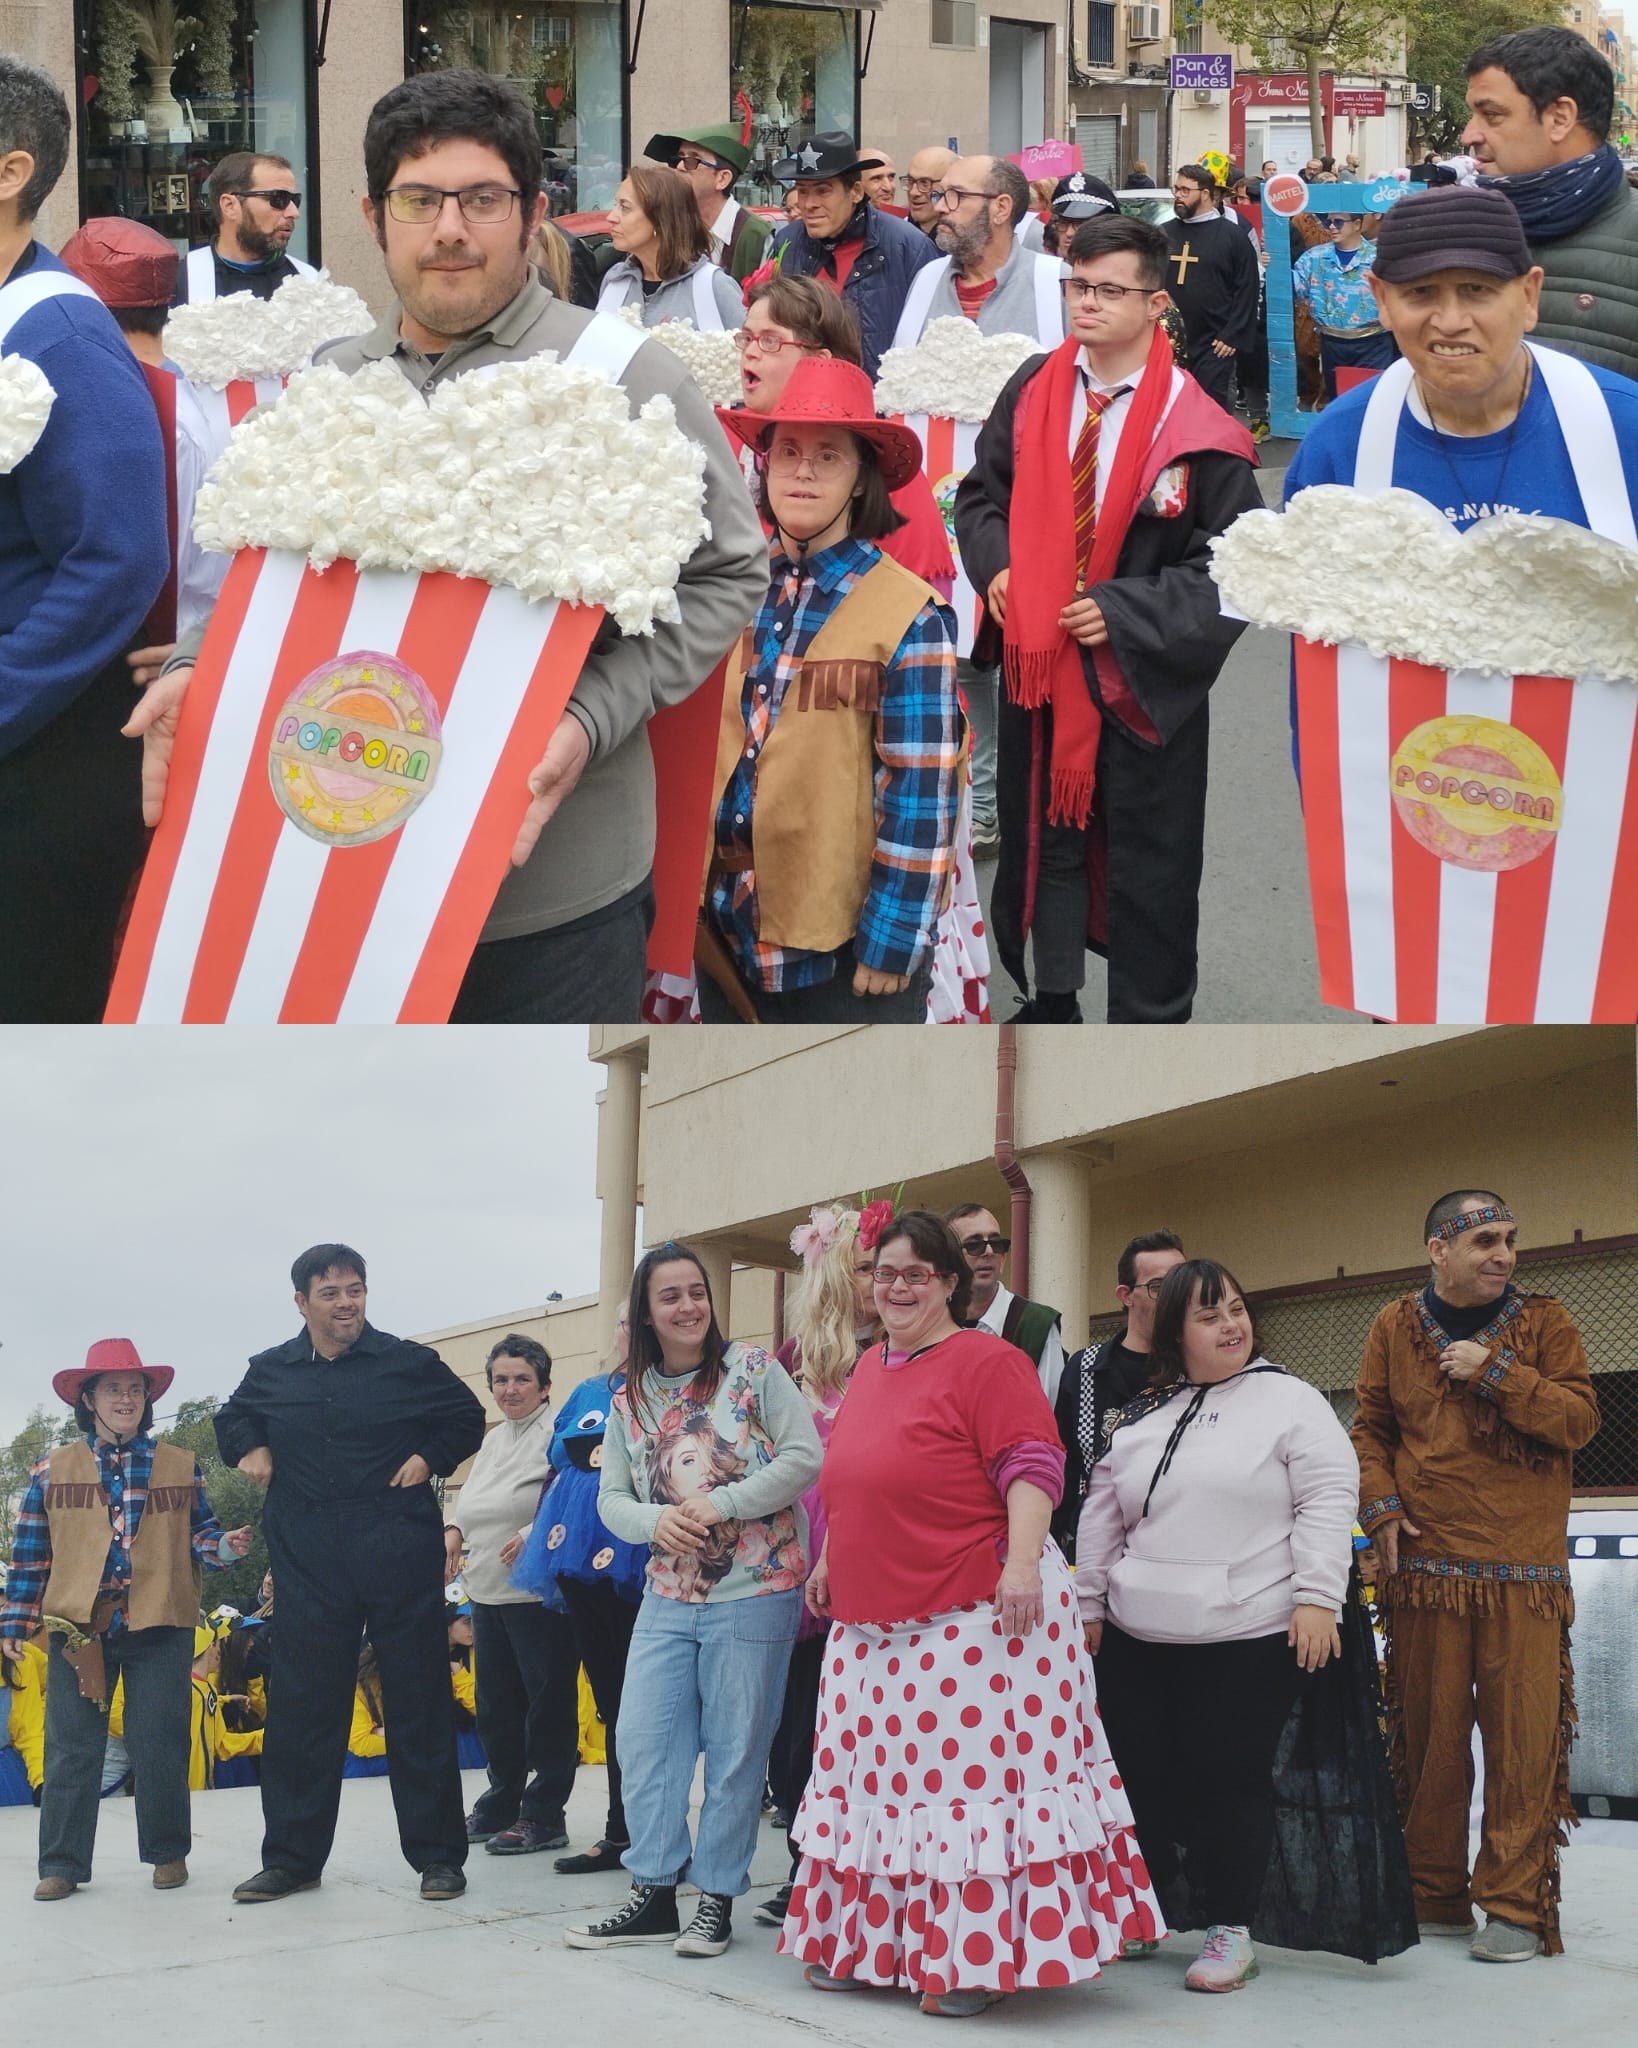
(1304, 1157)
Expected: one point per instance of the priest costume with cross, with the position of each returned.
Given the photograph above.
(1102, 475)
(1213, 277)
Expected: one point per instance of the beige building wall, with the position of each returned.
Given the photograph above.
(42, 32)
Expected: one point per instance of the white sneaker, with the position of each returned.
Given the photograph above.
(1227, 1961)
(1499, 1941)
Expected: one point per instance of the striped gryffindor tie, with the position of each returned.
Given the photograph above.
(1083, 475)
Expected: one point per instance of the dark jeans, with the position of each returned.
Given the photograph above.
(523, 1657)
(346, 1569)
(588, 971)
(792, 1764)
(1149, 833)
(154, 1662)
(1202, 1790)
(70, 844)
(603, 1623)
(1360, 351)
(827, 1002)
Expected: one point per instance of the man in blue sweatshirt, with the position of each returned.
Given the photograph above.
(83, 553)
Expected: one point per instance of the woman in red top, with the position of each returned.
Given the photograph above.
(964, 1832)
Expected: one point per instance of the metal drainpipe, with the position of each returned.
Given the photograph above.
(1006, 1074)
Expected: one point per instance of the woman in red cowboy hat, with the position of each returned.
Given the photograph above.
(111, 1538)
(837, 761)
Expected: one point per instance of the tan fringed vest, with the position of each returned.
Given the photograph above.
(164, 1575)
(815, 798)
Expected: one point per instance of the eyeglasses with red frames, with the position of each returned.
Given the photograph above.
(767, 344)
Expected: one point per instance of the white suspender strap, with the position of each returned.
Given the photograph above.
(201, 276)
(706, 317)
(32, 289)
(1049, 300)
(1379, 429)
(918, 302)
(1589, 434)
(606, 344)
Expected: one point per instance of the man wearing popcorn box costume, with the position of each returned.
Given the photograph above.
(255, 205)
(1467, 682)
(83, 555)
(1100, 479)
(373, 746)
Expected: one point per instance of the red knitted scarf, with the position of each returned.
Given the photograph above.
(1041, 662)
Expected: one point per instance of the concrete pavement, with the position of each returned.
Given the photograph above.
(363, 1960)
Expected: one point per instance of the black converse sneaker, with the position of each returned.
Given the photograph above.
(710, 1930)
(648, 1915)
(772, 1911)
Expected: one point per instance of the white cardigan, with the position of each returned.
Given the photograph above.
(1254, 1517)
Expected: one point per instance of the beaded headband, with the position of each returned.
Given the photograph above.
(1470, 1219)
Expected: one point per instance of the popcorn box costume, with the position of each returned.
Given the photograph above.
(1471, 809)
(416, 587)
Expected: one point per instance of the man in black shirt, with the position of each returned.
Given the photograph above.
(1214, 278)
(1106, 1376)
(256, 206)
(344, 1426)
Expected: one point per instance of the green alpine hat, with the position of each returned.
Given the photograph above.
(723, 143)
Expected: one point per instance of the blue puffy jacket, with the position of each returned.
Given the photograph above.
(876, 285)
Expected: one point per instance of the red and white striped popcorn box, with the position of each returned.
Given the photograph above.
(1472, 840)
(347, 781)
(947, 451)
(224, 408)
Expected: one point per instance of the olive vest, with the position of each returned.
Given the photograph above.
(814, 788)
(1589, 295)
(164, 1574)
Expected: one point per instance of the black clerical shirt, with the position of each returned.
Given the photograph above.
(339, 1428)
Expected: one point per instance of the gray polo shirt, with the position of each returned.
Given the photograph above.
(600, 845)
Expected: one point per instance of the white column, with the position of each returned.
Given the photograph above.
(719, 1267)
(1061, 1239)
(617, 1130)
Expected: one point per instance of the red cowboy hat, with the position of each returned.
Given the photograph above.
(110, 1354)
(823, 392)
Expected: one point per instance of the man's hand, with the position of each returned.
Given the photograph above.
(452, 1554)
(154, 723)
(413, 1472)
(1386, 1540)
(146, 662)
(1083, 621)
(1093, 1632)
(258, 1465)
(871, 981)
(1313, 1635)
(11, 1648)
(560, 768)
(1463, 1361)
(996, 596)
(677, 1532)
(239, 1541)
(1224, 348)
(511, 1550)
(1018, 1597)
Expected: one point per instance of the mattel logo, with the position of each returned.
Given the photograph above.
(1202, 70)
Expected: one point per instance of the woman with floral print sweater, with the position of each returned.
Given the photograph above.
(709, 1449)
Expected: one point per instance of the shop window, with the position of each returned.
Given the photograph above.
(569, 57)
(169, 91)
(1100, 32)
(798, 68)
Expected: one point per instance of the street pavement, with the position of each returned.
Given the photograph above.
(1256, 930)
(364, 1961)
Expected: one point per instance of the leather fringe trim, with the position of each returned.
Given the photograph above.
(74, 1496)
(167, 1500)
(1455, 1595)
(839, 686)
(1505, 1442)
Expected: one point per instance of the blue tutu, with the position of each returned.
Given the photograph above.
(568, 1540)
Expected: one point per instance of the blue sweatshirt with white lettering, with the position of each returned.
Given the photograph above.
(83, 546)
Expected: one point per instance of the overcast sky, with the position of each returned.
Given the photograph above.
(156, 1184)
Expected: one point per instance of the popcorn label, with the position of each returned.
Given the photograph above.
(1477, 793)
(354, 749)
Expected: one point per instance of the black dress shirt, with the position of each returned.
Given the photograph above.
(339, 1428)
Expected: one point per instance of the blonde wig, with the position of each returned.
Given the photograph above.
(823, 1317)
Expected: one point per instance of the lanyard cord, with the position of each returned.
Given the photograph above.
(1191, 1410)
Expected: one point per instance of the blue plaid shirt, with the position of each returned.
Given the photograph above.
(918, 751)
(124, 1474)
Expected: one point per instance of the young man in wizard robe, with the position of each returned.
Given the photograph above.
(1101, 477)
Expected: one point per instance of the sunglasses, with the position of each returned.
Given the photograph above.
(975, 1245)
(280, 200)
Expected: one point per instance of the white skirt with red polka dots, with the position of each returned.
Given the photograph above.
(965, 1825)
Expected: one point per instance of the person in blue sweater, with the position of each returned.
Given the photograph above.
(83, 554)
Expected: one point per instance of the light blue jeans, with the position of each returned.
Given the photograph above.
(982, 688)
(701, 1678)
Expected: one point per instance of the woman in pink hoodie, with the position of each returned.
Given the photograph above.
(1213, 1569)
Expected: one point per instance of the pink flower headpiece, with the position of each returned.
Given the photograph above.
(811, 1240)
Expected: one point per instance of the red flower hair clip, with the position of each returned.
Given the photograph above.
(874, 1218)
